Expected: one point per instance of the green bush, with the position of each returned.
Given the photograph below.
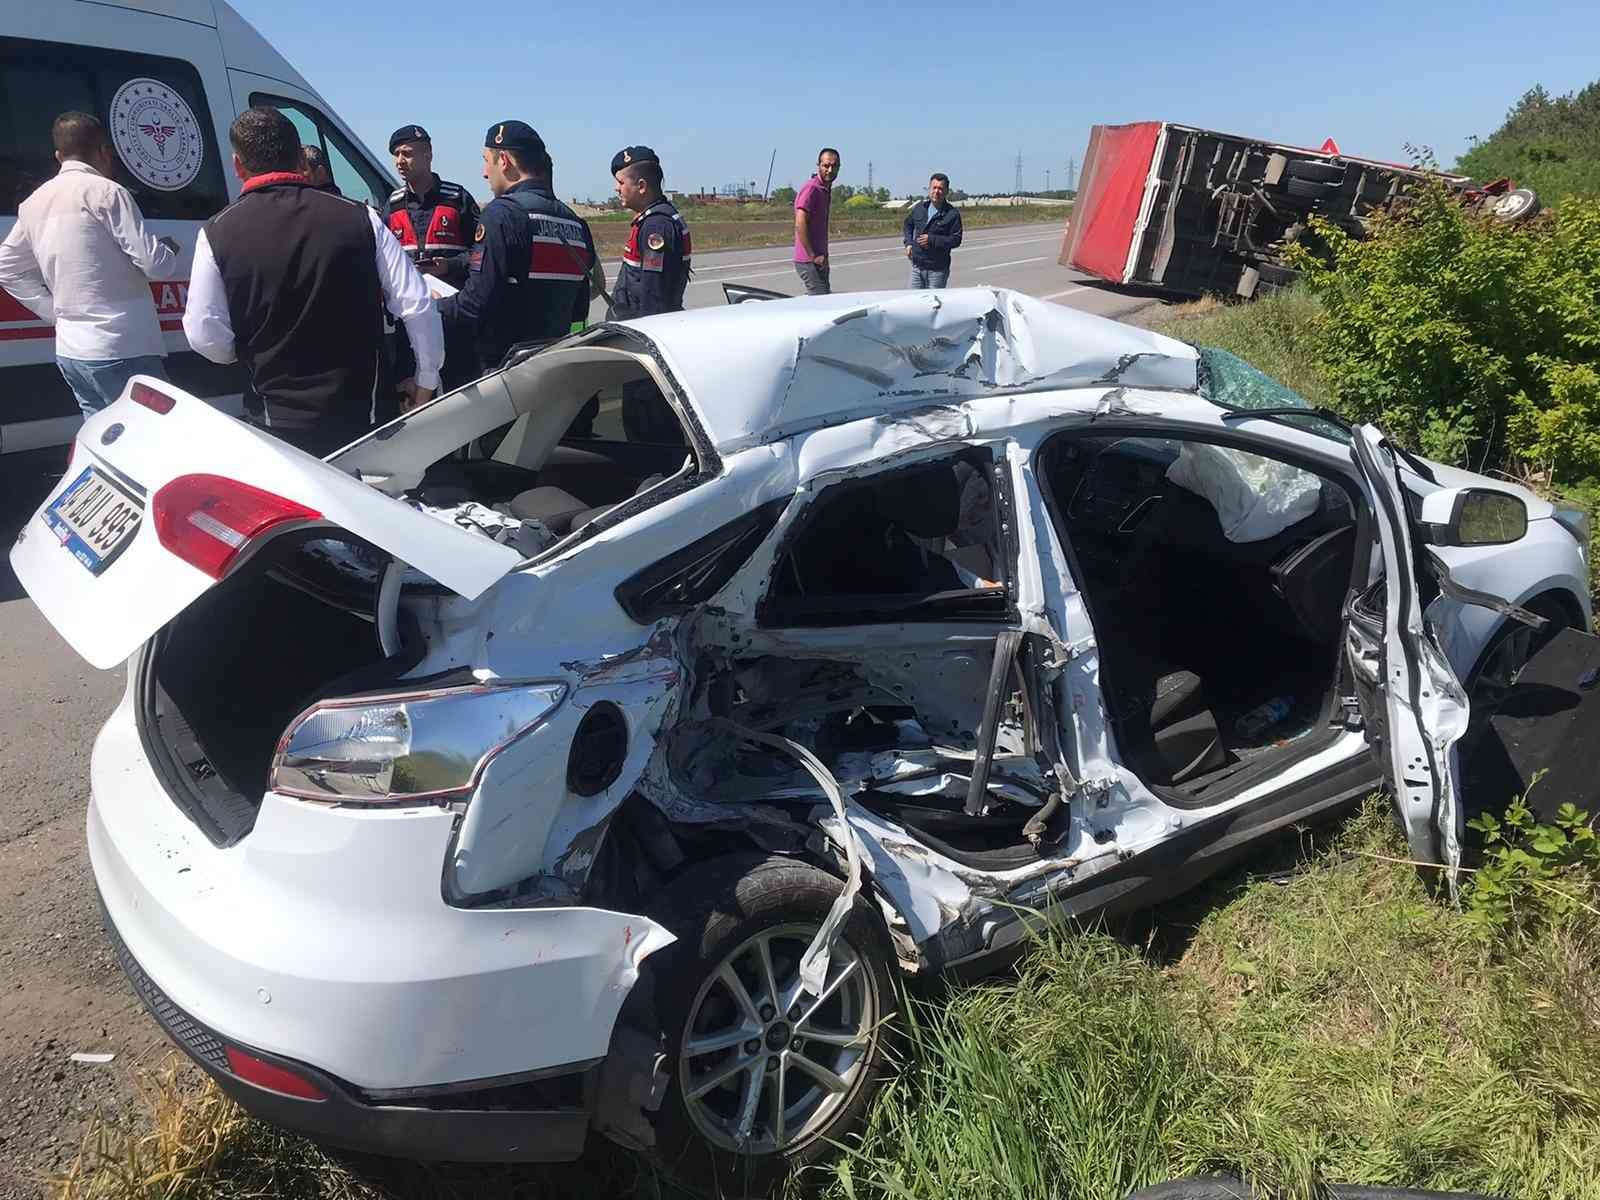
(1548, 143)
(1475, 342)
(1533, 875)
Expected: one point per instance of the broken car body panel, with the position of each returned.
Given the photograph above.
(1426, 708)
(763, 372)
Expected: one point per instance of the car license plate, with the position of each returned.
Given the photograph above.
(95, 518)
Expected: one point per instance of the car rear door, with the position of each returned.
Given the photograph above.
(1413, 704)
(165, 496)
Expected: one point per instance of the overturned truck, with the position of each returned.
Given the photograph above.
(1194, 211)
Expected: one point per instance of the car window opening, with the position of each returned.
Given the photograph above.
(1216, 579)
(593, 432)
(915, 543)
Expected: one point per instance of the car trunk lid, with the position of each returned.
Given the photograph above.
(165, 496)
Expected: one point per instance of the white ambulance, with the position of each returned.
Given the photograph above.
(168, 77)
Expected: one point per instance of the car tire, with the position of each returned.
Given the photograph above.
(745, 914)
(1518, 205)
(1315, 171)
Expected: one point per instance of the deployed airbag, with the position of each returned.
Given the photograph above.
(1255, 498)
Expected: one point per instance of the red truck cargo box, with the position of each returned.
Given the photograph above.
(1115, 170)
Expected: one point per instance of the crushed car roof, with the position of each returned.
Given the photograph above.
(761, 371)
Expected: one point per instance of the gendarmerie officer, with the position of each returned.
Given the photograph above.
(435, 221)
(655, 266)
(530, 268)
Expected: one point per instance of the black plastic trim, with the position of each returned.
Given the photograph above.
(643, 594)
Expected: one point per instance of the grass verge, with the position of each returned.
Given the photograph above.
(1325, 1023)
(750, 226)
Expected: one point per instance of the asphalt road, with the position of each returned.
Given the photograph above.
(60, 991)
(1022, 257)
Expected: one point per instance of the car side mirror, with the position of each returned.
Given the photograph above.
(1473, 517)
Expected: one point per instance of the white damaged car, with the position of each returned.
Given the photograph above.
(543, 764)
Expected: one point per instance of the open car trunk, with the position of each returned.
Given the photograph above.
(218, 685)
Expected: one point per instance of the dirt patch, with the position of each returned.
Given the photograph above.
(60, 989)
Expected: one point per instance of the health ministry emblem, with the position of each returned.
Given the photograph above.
(156, 134)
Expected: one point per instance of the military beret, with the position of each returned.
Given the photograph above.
(516, 136)
(407, 133)
(629, 155)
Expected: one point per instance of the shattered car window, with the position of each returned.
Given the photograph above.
(1228, 380)
(920, 541)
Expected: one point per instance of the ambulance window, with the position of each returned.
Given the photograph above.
(354, 176)
(165, 138)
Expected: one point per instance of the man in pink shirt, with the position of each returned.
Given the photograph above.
(811, 225)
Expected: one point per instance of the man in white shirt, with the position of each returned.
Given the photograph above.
(288, 280)
(80, 258)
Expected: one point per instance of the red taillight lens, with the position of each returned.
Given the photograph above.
(207, 520)
(153, 400)
(275, 1079)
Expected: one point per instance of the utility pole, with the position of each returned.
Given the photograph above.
(1072, 174)
(1017, 189)
(1047, 180)
(869, 177)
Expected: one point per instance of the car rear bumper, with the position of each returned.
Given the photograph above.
(323, 939)
(549, 1124)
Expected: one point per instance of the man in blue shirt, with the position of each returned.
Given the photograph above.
(932, 230)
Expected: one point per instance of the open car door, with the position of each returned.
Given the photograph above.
(1413, 704)
(165, 496)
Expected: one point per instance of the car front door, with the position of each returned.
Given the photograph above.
(1413, 704)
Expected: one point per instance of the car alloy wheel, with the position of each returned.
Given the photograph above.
(765, 1065)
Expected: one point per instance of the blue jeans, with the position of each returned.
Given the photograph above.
(929, 279)
(97, 382)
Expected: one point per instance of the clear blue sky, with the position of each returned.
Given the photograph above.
(715, 86)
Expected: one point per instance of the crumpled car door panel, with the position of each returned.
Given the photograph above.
(1414, 701)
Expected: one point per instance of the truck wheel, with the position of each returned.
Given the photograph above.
(1315, 172)
(765, 1078)
(1310, 189)
(1515, 206)
(1275, 278)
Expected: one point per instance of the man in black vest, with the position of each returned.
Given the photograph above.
(288, 279)
(529, 272)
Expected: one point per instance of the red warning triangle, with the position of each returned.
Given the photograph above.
(1331, 147)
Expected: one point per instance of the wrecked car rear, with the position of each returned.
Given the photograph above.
(813, 641)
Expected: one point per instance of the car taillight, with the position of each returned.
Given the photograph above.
(153, 400)
(272, 1077)
(207, 520)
